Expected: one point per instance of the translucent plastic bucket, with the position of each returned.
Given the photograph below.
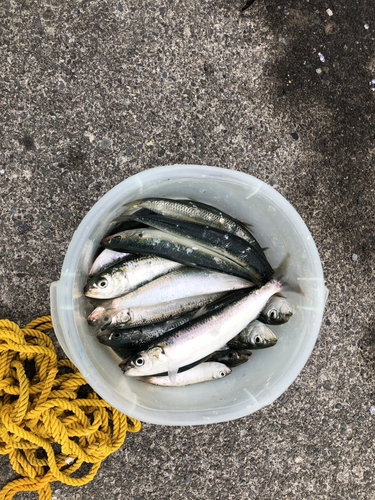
(250, 386)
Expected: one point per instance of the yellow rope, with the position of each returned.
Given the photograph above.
(47, 430)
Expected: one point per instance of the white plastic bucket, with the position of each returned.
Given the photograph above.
(250, 386)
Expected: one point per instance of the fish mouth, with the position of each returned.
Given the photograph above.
(92, 322)
(98, 321)
(103, 339)
(125, 365)
(89, 286)
(88, 290)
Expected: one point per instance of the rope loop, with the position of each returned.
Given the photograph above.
(46, 429)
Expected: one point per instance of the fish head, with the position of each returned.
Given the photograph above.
(107, 285)
(235, 357)
(113, 241)
(261, 337)
(145, 362)
(277, 311)
(118, 241)
(113, 338)
(220, 371)
(104, 337)
(100, 317)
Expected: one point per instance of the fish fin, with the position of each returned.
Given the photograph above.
(121, 218)
(223, 348)
(280, 273)
(198, 312)
(172, 374)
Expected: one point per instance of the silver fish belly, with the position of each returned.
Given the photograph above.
(182, 283)
(146, 315)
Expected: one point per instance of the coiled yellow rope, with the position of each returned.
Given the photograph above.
(46, 428)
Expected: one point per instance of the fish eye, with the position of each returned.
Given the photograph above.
(139, 362)
(273, 314)
(116, 239)
(258, 340)
(106, 318)
(231, 355)
(103, 283)
(222, 374)
(116, 335)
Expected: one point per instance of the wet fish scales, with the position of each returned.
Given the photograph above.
(157, 313)
(128, 275)
(179, 249)
(221, 242)
(201, 336)
(193, 211)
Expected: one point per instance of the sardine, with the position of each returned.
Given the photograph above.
(199, 373)
(125, 277)
(183, 283)
(192, 211)
(256, 335)
(201, 336)
(170, 246)
(223, 243)
(146, 315)
(277, 311)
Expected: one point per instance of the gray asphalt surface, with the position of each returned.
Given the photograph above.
(92, 92)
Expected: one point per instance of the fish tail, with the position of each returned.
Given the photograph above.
(129, 209)
(280, 275)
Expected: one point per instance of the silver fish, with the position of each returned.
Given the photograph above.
(277, 311)
(105, 259)
(177, 248)
(201, 336)
(183, 283)
(146, 315)
(128, 275)
(192, 211)
(199, 373)
(255, 336)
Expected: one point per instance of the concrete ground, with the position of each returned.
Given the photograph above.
(92, 91)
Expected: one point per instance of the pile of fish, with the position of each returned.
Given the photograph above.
(183, 292)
